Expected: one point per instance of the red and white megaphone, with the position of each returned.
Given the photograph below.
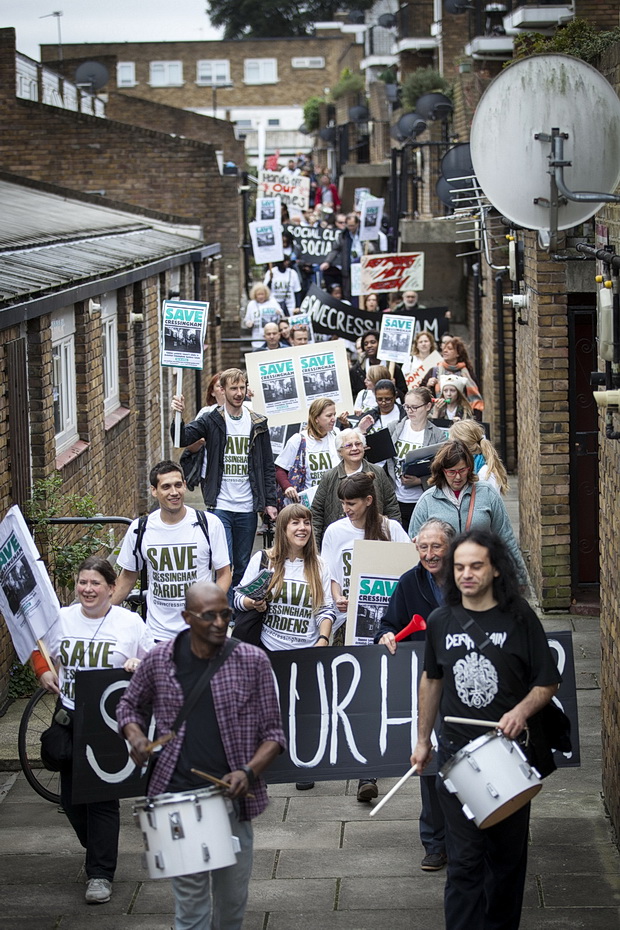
(416, 623)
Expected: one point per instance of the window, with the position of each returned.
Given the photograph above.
(126, 74)
(166, 74)
(260, 71)
(63, 377)
(273, 123)
(243, 123)
(212, 72)
(109, 340)
(307, 62)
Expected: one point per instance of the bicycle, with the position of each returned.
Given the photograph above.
(36, 718)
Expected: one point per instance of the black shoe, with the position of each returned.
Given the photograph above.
(367, 789)
(433, 862)
(304, 785)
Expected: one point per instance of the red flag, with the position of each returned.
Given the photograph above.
(271, 163)
(416, 623)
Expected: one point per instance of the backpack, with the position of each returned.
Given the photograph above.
(140, 530)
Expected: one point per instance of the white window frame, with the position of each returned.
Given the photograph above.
(126, 74)
(162, 73)
(213, 72)
(266, 68)
(109, 340)
(316, 61)
(63, 378)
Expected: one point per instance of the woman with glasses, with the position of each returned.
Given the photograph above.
(458, 497)
(326, 506)
(414, 432)
(387, 409)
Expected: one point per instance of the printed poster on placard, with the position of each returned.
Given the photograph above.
(396, 337)
(28, 601)
(361, 194)
(184, 325)
(298, 320)
(286, 381)
(266, 241)
(371, 217)
(376, 568)
(398, 271)
(267, 208)
(291, 189)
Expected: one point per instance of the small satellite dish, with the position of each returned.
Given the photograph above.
(457, 6)
(456, 163)
(392, 92)
(397, 134)
(434, 106)
(411, 125)
(356, 17)
(444, 192)
(545, 142)
(304, 130)
(328, 134)
(92, 74)
(358, 114)
(387, 20)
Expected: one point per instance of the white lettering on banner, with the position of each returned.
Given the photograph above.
(398, 721)
(339, 708)
(113, 778)
(292, 719)
(455, 640)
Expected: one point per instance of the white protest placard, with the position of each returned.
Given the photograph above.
(398, 271)
(356, 279)
(371, 217)
(28, 601)
(184, 324)
(268, 208)
(376, 568)
(298, 320)
(415, 373)
(396, 337)
(360, 195)
(292, 190)
(266, 241)
(286, 381)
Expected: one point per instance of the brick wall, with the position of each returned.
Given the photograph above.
(602, 13)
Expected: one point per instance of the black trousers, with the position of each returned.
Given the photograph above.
(97, 826)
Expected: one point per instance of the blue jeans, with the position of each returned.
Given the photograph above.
(432, 827)
(216, 900)
(240, 531)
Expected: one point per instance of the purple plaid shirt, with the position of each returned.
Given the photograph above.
(246, 707)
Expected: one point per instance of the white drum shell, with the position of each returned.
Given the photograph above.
(491, 778)
(185, 832)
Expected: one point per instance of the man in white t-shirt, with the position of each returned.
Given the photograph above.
(178, 546)
(240, 480)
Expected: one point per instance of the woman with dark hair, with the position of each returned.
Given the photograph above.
(309, 454)
(458, 497)
(369, 357)
(387, 410)
(455, 361)
(91, 633)
(423, 356)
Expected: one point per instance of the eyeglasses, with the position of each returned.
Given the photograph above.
(454, 472)
(385, 400)
(210, 616)
(353, 445)
(409, 408)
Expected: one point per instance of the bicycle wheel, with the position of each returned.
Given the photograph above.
(36, 718)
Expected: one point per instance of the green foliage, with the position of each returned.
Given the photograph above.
(270, 19)
(578, 38)
(22, 681)
(348, 83)
(311, 113)
(424, 81)
(63, 547)
(389, 76)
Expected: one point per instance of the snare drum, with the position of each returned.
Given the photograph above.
(185, 832)
(491, 777)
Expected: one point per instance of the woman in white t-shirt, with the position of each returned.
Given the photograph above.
(316, 458)
(262, 308)
(417, 367)
(91, 634)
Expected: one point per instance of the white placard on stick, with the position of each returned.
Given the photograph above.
(398, 271)
(371, 217)
(266, 238)
(396, 337)
(184, 324)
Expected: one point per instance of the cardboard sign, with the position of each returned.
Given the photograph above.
(334, 317)
(399, 271)
(315, 243)
(184, 324)
(396, 337)
(291, 189)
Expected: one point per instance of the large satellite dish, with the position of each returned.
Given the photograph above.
(545, 142)
(92, 73)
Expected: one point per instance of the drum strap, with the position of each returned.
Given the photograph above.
(200, 686)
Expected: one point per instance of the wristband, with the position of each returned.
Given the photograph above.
(249, 773)
(323, 636)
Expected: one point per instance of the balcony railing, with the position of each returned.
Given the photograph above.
(33, 81)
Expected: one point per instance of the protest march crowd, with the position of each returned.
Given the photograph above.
(407, 463)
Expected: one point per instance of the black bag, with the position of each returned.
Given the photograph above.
(249, 623)
(191, 463)
(57, 747)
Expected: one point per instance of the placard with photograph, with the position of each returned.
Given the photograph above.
(184, 324)
(268, 208)
(266, 239)
(398, 271)
(371, 217)
(375, 570)
(396, 337)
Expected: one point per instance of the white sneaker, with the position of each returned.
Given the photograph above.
(98, 891)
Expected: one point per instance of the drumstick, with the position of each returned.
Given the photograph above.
(159, 742)
(217, 781)
(393, 790)
(416, 623)
(473, 723)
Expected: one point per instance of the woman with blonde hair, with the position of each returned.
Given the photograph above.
(262, 308)
(365, 399)
(309, 454)
(487, 463)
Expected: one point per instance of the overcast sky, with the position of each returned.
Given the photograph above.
(104, 21)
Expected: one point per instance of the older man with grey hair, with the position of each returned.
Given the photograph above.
(327, 506)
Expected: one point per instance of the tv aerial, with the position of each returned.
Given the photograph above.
(92, 75)
(545, 143)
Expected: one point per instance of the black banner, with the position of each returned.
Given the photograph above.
(333, 317)
(315, 243)
(348, 712)
(432, 319)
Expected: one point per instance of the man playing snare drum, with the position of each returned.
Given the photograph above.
(486, 867)
(233, 732)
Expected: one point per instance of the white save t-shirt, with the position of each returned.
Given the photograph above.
(176, 555)
(408, 440)
(79, 643)
(235, 489)
(321, 456)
